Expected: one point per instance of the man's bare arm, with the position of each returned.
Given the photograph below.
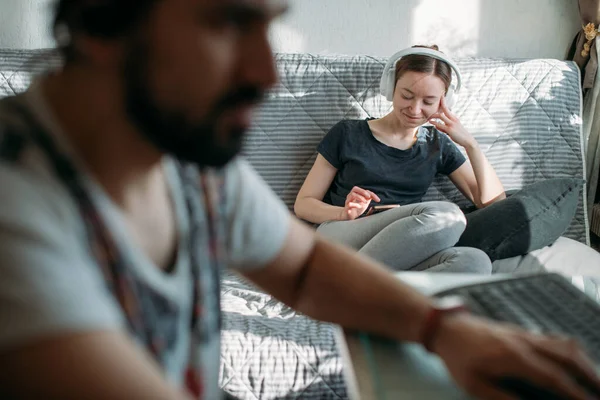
(327, 282)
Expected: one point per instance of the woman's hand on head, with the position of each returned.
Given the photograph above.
(357, 202)
(446, 121)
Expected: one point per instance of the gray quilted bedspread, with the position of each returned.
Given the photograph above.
(271, 352)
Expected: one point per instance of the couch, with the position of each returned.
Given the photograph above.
(524, 113)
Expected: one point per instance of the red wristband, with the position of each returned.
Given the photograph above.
(432, 322)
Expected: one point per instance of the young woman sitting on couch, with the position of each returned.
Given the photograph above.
(391, 162)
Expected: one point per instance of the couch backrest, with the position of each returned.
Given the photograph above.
(524, 113)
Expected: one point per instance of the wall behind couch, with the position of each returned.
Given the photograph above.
(496, 28)
(25, 24)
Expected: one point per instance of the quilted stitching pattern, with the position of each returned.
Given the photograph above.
(274, 353)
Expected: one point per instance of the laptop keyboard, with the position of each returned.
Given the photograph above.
(546, 303)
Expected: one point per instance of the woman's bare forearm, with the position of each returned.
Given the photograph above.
(317, 211)
(488, 183)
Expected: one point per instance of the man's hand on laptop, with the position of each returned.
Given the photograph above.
(479, 354)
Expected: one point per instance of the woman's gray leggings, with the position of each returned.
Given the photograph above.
(416, 237)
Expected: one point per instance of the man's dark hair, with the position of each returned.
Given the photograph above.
(107, 19)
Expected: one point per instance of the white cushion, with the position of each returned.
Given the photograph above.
(565, 256)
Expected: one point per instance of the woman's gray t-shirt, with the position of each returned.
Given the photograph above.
(396, 176)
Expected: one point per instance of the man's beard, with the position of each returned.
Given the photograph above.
(171, 131)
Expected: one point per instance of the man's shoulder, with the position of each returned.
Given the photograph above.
(237, 172)
(26, 173)
(242, 183)
(257, 220)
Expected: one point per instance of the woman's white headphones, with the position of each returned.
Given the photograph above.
(388, 78)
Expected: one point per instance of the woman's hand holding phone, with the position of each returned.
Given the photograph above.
(357, 202)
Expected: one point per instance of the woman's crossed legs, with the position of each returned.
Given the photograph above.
(416, 237)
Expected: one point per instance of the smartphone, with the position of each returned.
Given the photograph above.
(377, 209)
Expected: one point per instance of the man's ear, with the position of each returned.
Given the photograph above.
(98, 51)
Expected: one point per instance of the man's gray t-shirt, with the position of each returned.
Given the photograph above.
(50, 281)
